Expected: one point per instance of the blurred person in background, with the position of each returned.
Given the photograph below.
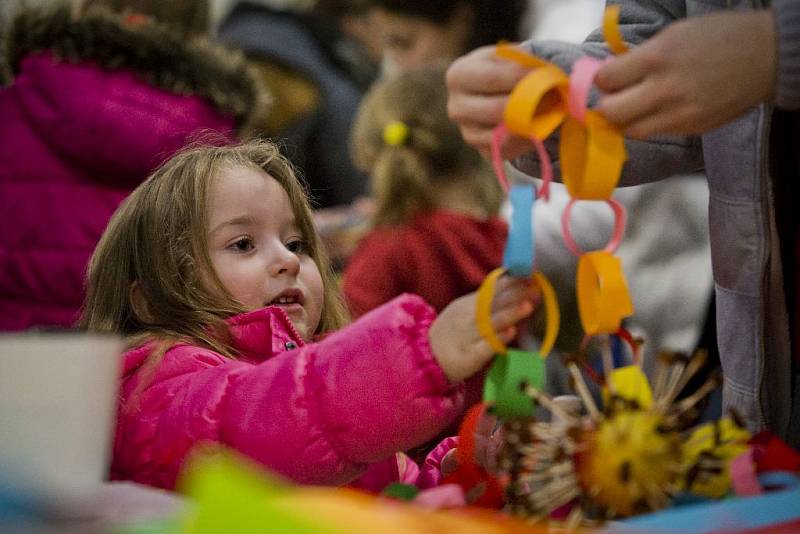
(92, 101)
(307, 63)
(417, 32)
(435, 231)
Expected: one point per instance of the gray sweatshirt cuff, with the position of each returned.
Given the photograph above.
(787, 27)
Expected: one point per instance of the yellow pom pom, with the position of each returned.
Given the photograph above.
(630, 463)
(395, 133)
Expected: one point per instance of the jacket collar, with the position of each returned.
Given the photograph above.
(260, 334)
(162, 57)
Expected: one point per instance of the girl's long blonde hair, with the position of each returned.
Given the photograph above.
(426, 153)
(156, 241)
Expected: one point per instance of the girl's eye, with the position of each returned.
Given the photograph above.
(244, 244)
(297, 246)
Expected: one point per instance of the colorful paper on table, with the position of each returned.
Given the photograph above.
(234, 496)
(735, 515)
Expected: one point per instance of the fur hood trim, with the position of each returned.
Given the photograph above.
(163, 58)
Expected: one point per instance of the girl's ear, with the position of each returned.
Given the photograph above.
(139, 303)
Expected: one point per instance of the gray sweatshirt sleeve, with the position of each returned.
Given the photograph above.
(648, 161)
(787, 26)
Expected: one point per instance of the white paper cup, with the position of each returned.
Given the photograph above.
(58, 395)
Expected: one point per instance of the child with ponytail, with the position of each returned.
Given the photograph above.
(436, 230)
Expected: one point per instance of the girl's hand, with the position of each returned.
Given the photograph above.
(455, 341)
(478, 87)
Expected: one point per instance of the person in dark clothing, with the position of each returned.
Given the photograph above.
(316, 95)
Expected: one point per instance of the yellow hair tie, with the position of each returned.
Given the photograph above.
(395, 133)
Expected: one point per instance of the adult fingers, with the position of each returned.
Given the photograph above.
(668, 121)
(632, 104)
(623, 71)
(485, 110)
(481, 71)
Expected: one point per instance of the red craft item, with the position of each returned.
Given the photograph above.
(772, 454)
(470, 475)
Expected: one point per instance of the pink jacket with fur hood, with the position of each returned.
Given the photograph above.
(319, 413)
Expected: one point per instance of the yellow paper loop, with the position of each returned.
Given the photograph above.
(611, 32)
(603, 298)
(517, 55)
(483, 311)
(591, 157)
(538, 103)
(553, 318)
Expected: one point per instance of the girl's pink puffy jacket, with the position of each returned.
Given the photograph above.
(319, 413)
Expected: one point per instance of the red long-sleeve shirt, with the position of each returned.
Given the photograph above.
(440, 256)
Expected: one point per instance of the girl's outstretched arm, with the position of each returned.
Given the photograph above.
(318, 414)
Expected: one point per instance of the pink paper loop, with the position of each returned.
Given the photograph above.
(580, 83)
(743, 475)
(499, 136)
(611, 247)
(546, 168)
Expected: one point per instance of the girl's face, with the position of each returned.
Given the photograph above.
(410, 42)
(257, 250)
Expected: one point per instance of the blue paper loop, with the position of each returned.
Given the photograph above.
(518, 254)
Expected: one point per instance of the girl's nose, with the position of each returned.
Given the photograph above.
(284, 262)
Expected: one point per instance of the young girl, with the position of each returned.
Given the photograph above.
(213, 271)
(436, 199)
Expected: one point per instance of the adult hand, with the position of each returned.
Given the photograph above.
(455, 341)
(479, 84)
(695, 75)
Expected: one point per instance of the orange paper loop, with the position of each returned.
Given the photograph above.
(483, 312)
(603, 298)
(538, 103)
(591, 156)
(552, 322)
(611, 32)
(517, 55)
